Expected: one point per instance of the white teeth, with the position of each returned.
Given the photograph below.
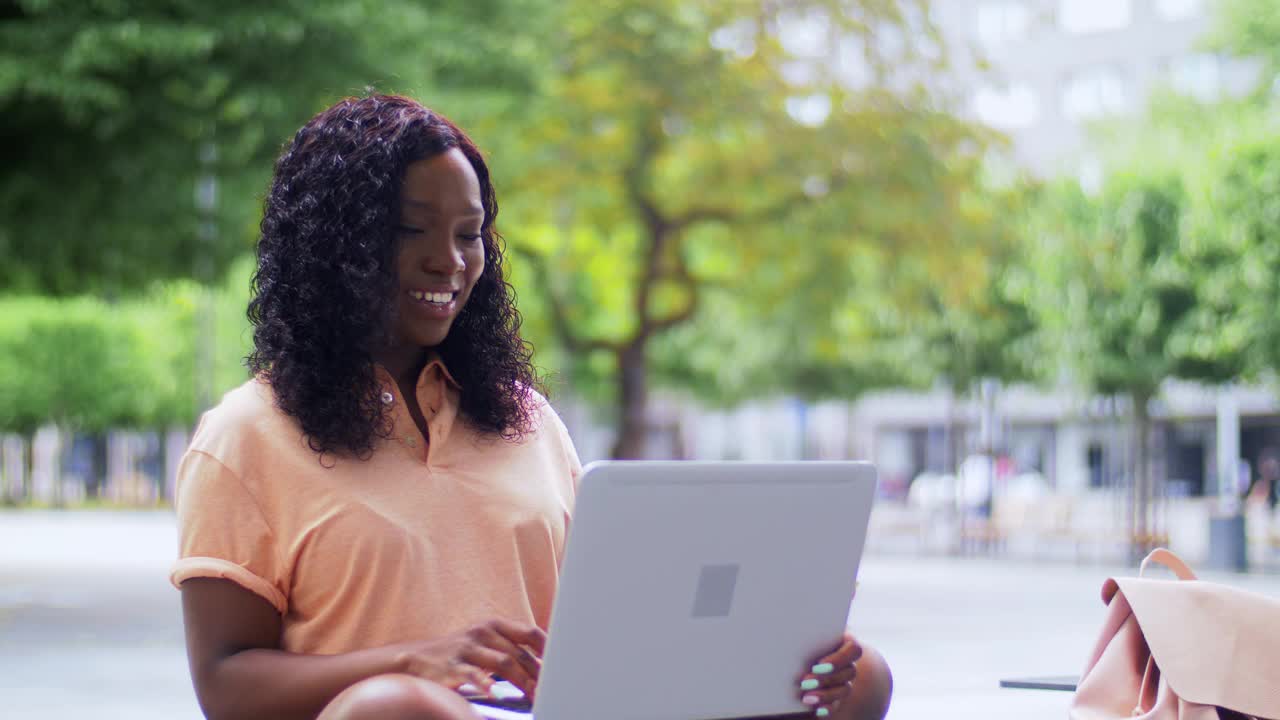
(439, 298)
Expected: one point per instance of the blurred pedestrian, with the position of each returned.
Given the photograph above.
(378, 516)
(1266, 483)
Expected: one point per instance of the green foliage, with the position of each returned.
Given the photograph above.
(92, 366)
(1234, 250)
(746, 191)
(708, 181)
(1223, 156)
(111, 108)
(1114, 286)
(762, 197)
(65, 360)
(738, 352)
(982, 326)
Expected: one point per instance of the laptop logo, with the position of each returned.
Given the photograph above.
(714, 596)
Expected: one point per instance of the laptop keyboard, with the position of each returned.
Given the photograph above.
(515, 703)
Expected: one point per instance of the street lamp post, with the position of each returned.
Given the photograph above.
(206, 196)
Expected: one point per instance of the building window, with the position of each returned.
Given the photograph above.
(1079, 17)
(1002, 22)
(1198, 75)
(1011, 108)
(1094, 93)
(1179, 9)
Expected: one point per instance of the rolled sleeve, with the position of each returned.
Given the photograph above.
(223, 533)
(572, 464)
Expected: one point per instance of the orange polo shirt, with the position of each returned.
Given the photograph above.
(417, 541)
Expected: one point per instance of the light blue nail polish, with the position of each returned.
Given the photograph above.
(822, 712)
(823, 668)
(810, 684)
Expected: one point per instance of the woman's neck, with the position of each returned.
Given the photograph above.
(404, 364)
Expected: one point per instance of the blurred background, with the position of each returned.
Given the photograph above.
(1022, 254)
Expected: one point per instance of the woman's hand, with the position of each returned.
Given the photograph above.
(496, 647)
(830, 680)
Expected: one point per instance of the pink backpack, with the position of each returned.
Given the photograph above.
(1182, 649)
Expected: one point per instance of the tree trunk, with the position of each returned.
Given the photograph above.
(1143, 536)
(10, 475)
(99, 470)
(59, 462)
(633, 396)
(26, 484)
(954, 517)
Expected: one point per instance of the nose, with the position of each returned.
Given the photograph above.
(443, 258)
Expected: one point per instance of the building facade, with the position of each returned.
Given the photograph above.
(1056, 66)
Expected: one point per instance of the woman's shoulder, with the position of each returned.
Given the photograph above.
(241, 408)
(551, 430)
(539, 424)
(242, 423)
(543, 418)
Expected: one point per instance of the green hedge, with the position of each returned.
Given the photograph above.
(91, 365)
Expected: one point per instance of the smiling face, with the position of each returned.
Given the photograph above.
(441, 254)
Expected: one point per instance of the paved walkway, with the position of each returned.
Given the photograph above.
(90, 628)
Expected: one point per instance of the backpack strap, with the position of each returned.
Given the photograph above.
(1166, 558)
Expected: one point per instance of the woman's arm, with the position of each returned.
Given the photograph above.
(240, 672)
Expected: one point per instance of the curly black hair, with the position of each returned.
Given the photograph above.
(322, 294)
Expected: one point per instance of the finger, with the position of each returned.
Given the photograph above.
(528, 641)
(826, 698)
(461, 673)
(490, 636)
(846, 654)
(847, 642)
(496, 661)
(530, 636)
(839, 676)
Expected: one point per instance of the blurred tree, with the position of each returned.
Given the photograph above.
(984, 329)
(1224, 155)
(836, 346)
(1114, 290)
(726, 166)
(1233, 244)
(114, 111)
(169, 313)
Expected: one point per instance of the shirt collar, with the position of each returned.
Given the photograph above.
(435, 361)
(437, 395)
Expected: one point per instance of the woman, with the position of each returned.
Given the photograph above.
(378, 516)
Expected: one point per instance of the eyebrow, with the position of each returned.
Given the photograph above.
(474, 210)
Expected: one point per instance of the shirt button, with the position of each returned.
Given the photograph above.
(388, 398)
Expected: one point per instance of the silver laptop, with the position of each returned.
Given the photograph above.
(700, 590)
